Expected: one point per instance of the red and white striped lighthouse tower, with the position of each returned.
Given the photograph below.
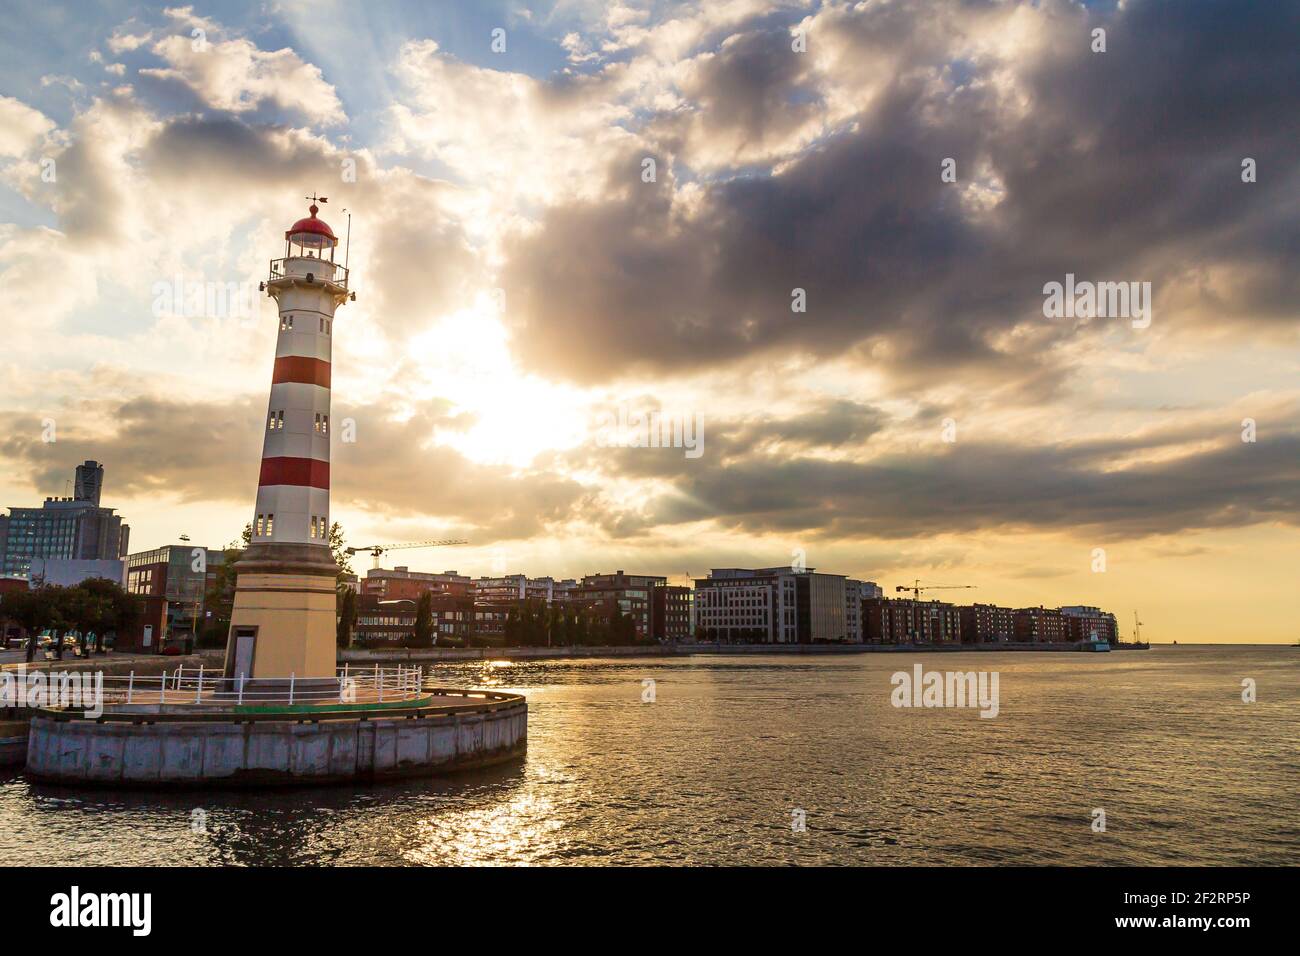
(283, 622)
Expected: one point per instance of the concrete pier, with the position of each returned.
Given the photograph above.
(13, 743)
(452, 730)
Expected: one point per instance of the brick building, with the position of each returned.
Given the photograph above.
(1086, 623)
(673, 613)
(1041, 625)
(987, 624)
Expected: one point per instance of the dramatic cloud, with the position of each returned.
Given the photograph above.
(1113, 166)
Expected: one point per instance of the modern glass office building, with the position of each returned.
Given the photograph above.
(75, 528)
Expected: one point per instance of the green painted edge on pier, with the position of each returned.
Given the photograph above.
(324, 708)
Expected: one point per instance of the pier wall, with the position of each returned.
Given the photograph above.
(263, 752)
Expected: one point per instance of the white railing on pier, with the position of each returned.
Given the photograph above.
(198, 687)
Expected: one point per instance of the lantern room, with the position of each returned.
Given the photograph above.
(310, 238)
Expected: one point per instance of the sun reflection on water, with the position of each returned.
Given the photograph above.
(514, 831)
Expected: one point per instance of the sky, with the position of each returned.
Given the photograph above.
(818, 238)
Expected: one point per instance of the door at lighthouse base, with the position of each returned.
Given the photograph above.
(245, 642)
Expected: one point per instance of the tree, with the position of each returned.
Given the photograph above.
(424, 621)
(347, 617)
(83, 610)
(219, 597)
(338, 548)
(554, 623)
(61, 603)
(33, 611)
(113, 609)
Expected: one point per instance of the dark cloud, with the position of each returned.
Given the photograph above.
(970, 487)
(1123, 165)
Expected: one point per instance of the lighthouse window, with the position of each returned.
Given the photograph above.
(286, 323)
(257, 526)
(276, 421)
(270, 523)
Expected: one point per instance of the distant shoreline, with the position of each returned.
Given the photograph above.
(367, 656)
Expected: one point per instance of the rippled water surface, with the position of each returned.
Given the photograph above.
(710, 772)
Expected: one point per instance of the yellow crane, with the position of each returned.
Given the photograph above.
(916, 587)
(377, 549)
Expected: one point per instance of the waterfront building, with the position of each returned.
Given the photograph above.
(853, 610)
(888, 621)
(908, 621)
(401, 583)
(939, 623)
(1041, 625)
(771, 606)
(1087, 623)
(283, 622)
(520, 587)
(673, 613)
(987, 624)
(631, 595)
(73, 528)
(870, 589)
(383, 622)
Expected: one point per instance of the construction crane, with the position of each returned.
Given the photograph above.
(917, 587)
(377, 549)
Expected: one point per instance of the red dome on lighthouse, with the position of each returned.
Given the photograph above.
(311, 231)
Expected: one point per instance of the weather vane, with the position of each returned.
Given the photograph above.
(317, 198)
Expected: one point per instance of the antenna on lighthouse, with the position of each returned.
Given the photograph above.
(347, 242)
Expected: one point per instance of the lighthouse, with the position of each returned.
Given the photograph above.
(283, 623)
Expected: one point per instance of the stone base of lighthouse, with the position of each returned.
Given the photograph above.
(284, 620)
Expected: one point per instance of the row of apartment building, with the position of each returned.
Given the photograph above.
(463, 606)
(778, 605)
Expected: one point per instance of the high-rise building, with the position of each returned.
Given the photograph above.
(89, 482)
(74, 528)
